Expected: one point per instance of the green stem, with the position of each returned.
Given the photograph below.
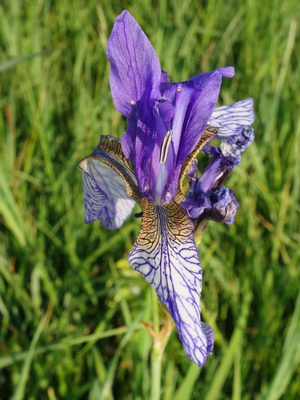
(156, 355)
(155, 378)
(155, 311)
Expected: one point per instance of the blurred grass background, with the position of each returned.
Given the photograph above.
(70, 304)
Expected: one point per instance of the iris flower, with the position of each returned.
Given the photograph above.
(168, 125)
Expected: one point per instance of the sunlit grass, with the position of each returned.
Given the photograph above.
(70, 305)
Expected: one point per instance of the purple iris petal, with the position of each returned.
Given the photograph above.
(196, 205)
(163, 112)
(192, 173)
(225, 205)
(223, 208)
(194, 102)
(206, 199)
(105, 172)
(164, 81)
(135, 79)
(204, 193)
(197, 106)
(135, 70)
(216, 171)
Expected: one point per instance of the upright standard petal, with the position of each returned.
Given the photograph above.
(194, 102)
(135, 80)
(199, 106)
(166, 255)
(135, 70)
(108, 181)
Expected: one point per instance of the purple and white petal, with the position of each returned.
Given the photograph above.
(109, 151)
(99, 181)
(209, 333)
(166, 255)
(108, 182)
(234, 145)
(94, 199)
(231, 119)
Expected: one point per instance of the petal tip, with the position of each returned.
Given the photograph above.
(227, 72)
(123, 16)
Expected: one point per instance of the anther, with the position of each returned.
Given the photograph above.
(165, 146)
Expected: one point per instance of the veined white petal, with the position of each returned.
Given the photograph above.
(230, 119)
(108, 181)
(166, 255)
(94, 199)
(105, 195)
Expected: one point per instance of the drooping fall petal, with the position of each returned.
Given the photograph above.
(166, 255)
(105, 195)
(108, 181)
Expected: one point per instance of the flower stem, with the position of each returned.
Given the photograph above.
(155, 378)
(155, 311)
(156, 355)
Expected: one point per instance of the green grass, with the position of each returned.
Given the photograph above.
(70, 305)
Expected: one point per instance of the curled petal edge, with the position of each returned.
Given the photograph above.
(207, 136)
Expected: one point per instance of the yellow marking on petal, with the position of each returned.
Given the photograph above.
(170, 221)
(208, 134)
